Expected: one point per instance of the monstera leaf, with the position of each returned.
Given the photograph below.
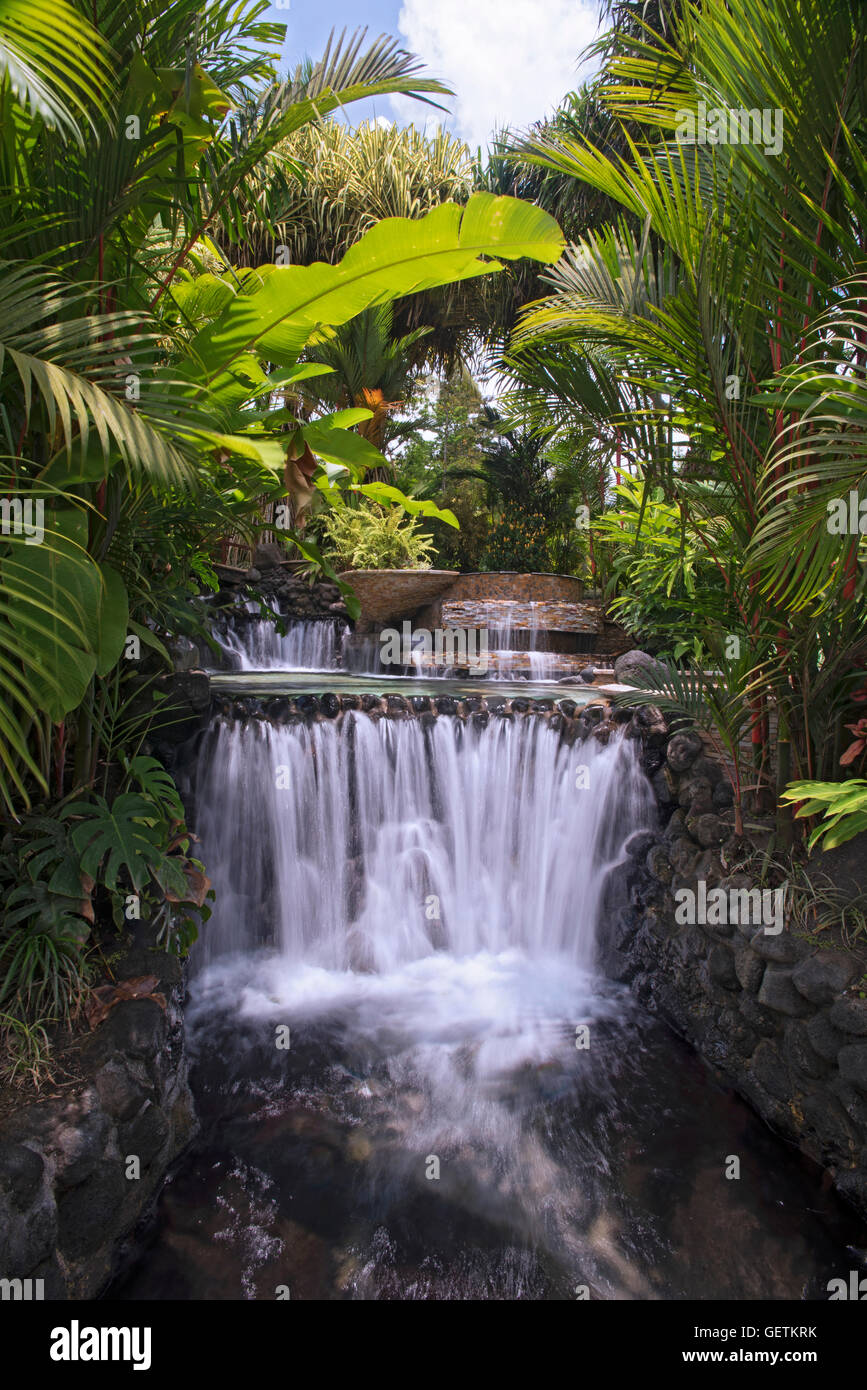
(116, 837)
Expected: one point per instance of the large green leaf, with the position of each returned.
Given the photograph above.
(113, 620)
(55, 61)
(52, 594)
(283, 305)
(116, 837)
(385, 493)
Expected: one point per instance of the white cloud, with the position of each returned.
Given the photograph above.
(509, 62)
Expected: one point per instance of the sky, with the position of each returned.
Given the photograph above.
(508, 61)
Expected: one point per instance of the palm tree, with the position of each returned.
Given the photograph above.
(727, 292)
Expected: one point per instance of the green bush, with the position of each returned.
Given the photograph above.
(376, 538)
(518, 542)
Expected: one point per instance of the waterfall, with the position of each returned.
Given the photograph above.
(256, 645)
(374, 844)
(412, 1081)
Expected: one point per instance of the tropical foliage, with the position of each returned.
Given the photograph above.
(712, 331)
(150, 374)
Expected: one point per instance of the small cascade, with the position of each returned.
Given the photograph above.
(521, 647)
(255, 644)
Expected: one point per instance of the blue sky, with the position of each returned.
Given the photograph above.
(507, 60)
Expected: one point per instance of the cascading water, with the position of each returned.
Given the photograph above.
(255, 644)
(412, 1081)
(349, 832)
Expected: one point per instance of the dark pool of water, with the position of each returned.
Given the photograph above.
(559, 1168)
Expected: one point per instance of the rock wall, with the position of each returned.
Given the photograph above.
(68, 1195)
(782, 1019)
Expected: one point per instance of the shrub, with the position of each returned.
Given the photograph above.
(377, 538)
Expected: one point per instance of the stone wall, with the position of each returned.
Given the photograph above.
(502, 586)
(68, 1201)
(782, 1019)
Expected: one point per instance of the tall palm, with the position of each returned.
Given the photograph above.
(739, 249)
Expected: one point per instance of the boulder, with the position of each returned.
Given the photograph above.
(636, 668)
(823, 976)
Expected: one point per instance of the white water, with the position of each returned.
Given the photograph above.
(434, 897)
(254, 644)
(308, 646)
(371, 846)
(454, 1038)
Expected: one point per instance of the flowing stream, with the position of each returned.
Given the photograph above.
(412, 1079)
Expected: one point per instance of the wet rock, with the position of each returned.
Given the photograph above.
(778, 993)
(780, 947)
(420, 703)
(639, 843)
(664, 786)
(683, 750)
(683, 854)
(370, 702)
(446, 704)
(278, 708)
(349, 702)
(27, 1239)
(21, 1173)
(695, 791)
(268, 557)
(308, 705)
(709, 830)
(330, 705)
(520, 705)
(771, 1071)
(136, 1028)
(722, 796)
(587, 674)
(853, 1185)
(823, 976)
(89, 1211)
(800, 1053)
(721, 968)
(824, 1037)
(850, 1015)
(650, 716)
(636, 668)
(146, 1135)
(659, 864)
(120, 1094)
(592, 714)
(567, 707)
(543, 706)
(825, 1116)
(707, 769)
(852, 1061)
(396, 704)
(749, 968)
(676, 827)
(184, 654)
(757, 1017)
